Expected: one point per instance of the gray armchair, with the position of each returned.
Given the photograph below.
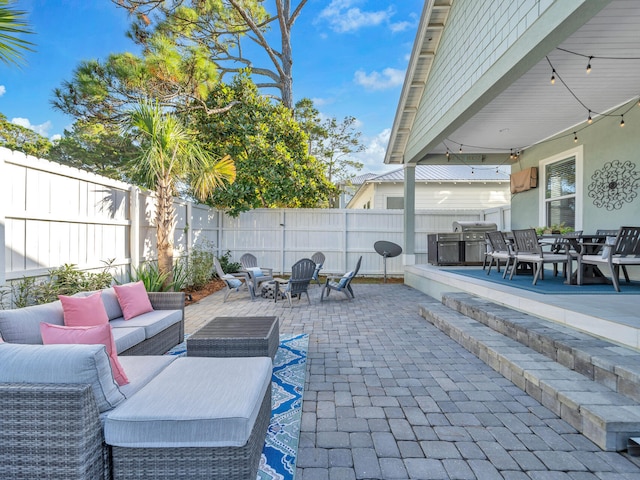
(341, 283)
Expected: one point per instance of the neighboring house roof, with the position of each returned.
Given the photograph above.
(449, 173)
(359, 180)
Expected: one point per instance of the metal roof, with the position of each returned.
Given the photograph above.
(449, 173)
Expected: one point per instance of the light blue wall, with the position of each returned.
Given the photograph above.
(603, 142)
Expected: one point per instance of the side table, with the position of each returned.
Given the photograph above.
(236, 337)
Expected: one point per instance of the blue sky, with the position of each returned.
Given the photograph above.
(350, 57)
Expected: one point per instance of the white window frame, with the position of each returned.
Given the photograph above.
(578, 153)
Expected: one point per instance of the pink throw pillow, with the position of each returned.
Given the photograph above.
(84, 311)
(96, 335)
(133, 299)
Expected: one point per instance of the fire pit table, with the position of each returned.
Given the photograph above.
(236, 337)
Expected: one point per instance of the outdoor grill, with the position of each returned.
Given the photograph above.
(465, 246)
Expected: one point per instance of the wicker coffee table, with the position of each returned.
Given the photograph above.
(236, 337)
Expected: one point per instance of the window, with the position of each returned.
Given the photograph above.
(561, 197)
(395, 203)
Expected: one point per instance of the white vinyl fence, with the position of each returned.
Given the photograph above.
(53, 215)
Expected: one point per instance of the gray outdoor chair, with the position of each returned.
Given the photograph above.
(298, 283)
(234, 281)
(341, 283)
(500, 250)
(257, 275)
(622, 251)
(319, 258)
(529, 250)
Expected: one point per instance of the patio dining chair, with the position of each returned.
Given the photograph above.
(528, 249)
(257, 275)
(298, 283)
(622, 251)
(234, 281)
(319, 258)
(500, 250)
(341, 283)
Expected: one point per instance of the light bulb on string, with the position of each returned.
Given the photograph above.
(497, 171)
(472, 171)
(511, 154)
(589, 120)
(575, 137)
(460, 151)
(553, 76)
(589, 65)
(622, 121)
(447, 154)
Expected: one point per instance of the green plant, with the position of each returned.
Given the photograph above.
(555, 228)
(68, 280)
(201, 264)
(180, 275)
(21, 293)
(150, 275)
(228, 266)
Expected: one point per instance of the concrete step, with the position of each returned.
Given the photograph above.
(614, 366)
(606, 417)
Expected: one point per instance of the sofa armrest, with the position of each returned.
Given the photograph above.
(38, 419)
(169, 301)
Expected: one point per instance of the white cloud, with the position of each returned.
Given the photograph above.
(400, 26)
(3, 90)
(389, 78)
(42, 129)
(373, 156)
(342, 17)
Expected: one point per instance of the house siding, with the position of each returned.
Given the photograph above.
(603, 142)
(444, 195)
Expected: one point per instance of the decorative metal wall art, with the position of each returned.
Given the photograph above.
(615, 184)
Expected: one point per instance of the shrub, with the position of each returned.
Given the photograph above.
(227, 265)
(200, 264)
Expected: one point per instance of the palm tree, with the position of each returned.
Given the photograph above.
(11, 25)
(170, 156)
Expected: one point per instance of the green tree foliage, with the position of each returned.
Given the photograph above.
(169, 153)
(337, 146)
(109, 154)
(273, 167)
(12, 25)
(21, 139)
(101, 93)
(226, 28)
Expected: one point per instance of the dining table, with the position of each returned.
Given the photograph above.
(585, 244)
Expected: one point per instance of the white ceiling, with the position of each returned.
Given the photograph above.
(531, 109)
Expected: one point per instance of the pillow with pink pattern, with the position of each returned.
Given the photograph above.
(133, 299)
(92, 335)
(84, 311)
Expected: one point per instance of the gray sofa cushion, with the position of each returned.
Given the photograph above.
(22, 325)
(152, 322)
(141, 369)
(126, 338)
(111, 304)
(85, 364)
(194, 402)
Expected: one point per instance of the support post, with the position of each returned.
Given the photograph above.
(408, 256)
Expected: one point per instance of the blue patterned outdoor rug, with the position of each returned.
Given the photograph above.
(550, 284)
(278, 460)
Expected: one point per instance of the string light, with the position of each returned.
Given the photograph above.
(575, 137)
(622, 121)
(589, 65)
(460, 151)
(472, 171)
(589, 120)
(553, 76)
(447, 154)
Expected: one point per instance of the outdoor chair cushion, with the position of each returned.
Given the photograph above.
(83, 311)
(133, 299)
(345, 277)
(232, 281)
(22, 325)
(193, 402)
(153, 322)
(256, 271)
(93, 335)
(126, 338)
(83, 364)
(141, 369)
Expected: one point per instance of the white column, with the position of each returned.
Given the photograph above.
(408, 255)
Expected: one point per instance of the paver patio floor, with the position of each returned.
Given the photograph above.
(388, 396)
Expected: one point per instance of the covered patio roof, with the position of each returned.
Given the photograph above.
(521, 107)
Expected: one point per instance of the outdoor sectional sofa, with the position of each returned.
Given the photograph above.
(63, 415)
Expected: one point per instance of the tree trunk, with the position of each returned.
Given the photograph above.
(165, 226)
